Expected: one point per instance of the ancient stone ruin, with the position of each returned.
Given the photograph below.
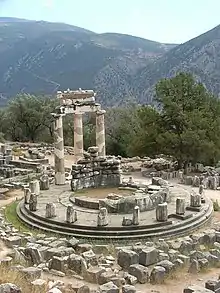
(131, 227)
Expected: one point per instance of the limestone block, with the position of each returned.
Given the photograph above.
(71, 215)
(180, 206)
(195, 200)
(34, 255)
(136, 215)
(128, 289)
(212, 285)
(9, 288)
(58, 263)
(158, 275)
(72, 242)
(79, 287)
(161, 244)
(109, 287)
(194, 267)
(35, 187)
(127, 257)
(196, 181)
(77, 263)
(131, 280)
(102, 218)
(168, 265)
(50, 210)
(31, 273)
(90, 257)
(203, 264)
(92, 274)
(33, 202)
(27, 193)
(44, 182)
(162, 212)
(196, 289)
(106, 277)
(148, 256)
(140, 272)
(39, 286)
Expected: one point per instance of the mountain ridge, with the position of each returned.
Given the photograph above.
(41, 57)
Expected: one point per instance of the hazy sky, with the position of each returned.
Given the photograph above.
(172, 21)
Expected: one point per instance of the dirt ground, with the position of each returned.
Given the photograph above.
(175, 285)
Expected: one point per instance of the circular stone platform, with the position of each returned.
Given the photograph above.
(86, 224)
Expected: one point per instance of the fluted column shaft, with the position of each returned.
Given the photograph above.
(100, 132)
(78, 136)
(59, 150)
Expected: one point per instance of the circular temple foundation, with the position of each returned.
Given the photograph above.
(145, 212)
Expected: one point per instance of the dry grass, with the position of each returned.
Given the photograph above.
(8, 275)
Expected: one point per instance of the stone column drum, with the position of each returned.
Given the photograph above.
(100, 132)
(102, 219)
(195, 200)
(59, 150)
(78, 137)
(162, 212)
(27, 193)
(35, 187)
(180, 206)
(136, 215)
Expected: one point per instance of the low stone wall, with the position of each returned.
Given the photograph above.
(96, 172)
(166, 175)
(208, 182)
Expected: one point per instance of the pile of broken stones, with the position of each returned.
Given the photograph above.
(100, 267)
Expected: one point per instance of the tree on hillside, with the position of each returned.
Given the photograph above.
(189, 120)
(28, 116)
(145, 142)
(121, 126)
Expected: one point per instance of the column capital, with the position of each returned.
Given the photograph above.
(100, 112)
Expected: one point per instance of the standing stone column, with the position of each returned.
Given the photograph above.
(180, 206)
(100, 132)
(102, 219)
(27, 193)
(59, 150)
(50, 210)
(195, 200)
(35, 187)
(162, 212)
(33, 202)
(136, 215)
(78, 137)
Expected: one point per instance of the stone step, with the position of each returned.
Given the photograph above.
(115, 235)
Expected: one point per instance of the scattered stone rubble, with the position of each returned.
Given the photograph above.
(109, 271)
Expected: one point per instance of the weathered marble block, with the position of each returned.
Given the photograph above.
(180, 206)
(27, 193)
(33, 202)
(71, 215)
(50, 210)
(195, 200)
(102, 219)
(35, 187)
(162, 212)
(136, 215)
(44, 182)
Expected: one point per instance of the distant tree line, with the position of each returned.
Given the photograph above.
(185, 123)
